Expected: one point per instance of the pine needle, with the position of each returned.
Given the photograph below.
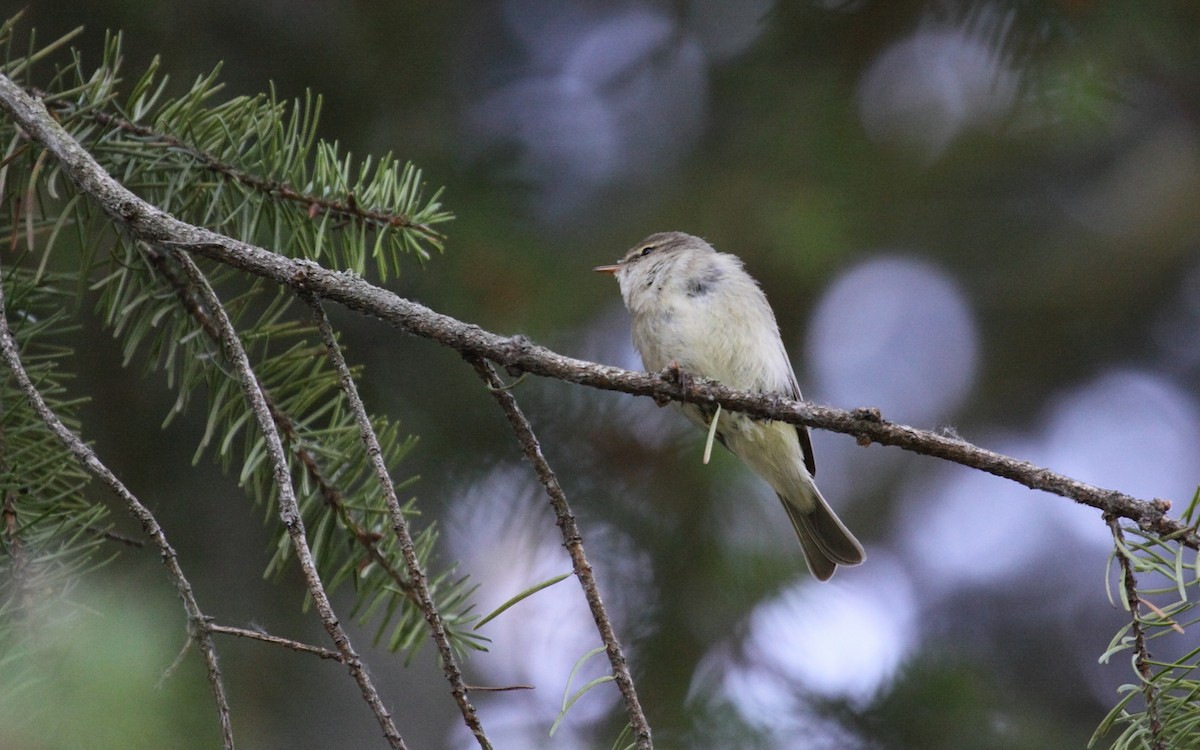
(712, 433)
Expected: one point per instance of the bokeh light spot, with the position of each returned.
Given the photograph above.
(894, 332)
(927, 89)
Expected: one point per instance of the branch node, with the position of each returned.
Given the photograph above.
(520, 342)
(675, 375)
(199, 624)
(867, 414)
(515, 347)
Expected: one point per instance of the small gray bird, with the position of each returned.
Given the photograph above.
(698, 308)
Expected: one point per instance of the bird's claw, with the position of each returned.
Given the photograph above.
(675, 375)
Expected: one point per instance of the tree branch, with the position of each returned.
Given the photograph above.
(518, 354)
(289, 510)
(197, 622)
(1141, 659)
(156, 227)
(417, 582)
(573, 541)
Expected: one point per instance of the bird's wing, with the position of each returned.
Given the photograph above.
(810, 462)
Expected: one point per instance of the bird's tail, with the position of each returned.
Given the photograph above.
(824, 539)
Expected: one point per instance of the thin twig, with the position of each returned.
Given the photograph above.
(516, 353)
(89, 460)
(324, 653)
(169, 672)
(114, 536)
(416, 574)
(289, 509)
(573, 541)
(1141, 659)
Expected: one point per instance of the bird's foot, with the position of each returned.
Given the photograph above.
(673, 373)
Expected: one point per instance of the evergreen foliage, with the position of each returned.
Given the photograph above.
(1159, 586)
(252, 168)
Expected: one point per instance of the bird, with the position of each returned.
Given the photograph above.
(699, 310)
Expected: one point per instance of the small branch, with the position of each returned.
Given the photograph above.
(275, 640)
(1142, 657)
(90, 461)
(148, 223)
(573, 541)
(114, 536)
(289, 510)
(417, 581)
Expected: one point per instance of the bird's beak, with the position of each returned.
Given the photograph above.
(608, 269)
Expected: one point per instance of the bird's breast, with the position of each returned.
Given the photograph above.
(705, 337)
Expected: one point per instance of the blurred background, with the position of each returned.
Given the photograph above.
(980, 217)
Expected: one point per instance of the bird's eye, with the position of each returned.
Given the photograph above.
(647, 250)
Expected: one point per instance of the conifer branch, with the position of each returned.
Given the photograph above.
(197, 621)
(573, 541)
(417, 584)
(346, 209)
(288, 432)
(1141, 654)
(334, 500)
(289, 510)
